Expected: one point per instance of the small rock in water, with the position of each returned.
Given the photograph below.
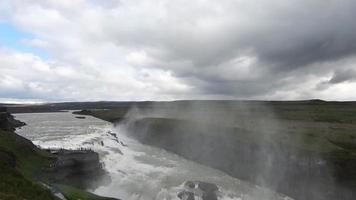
(190, 184)
(102, 143)
(209, 190)
(185, 195)
(207, 187)
(209, 196)
(204, 190)
(124, 145)
(112, 134)
(80, 117)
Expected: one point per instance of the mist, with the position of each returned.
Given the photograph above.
(243, 139)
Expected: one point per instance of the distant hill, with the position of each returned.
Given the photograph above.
(55, 107)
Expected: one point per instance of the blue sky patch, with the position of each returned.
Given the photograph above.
(12, 38)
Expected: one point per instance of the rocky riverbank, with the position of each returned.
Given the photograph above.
(7, 121)
(25, 169)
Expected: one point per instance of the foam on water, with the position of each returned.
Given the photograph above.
(137, 171)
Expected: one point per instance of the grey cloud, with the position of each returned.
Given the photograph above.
(287, 39)
(343, 75)
(232, 48)
(279, 34)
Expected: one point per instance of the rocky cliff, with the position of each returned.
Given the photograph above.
(298, 173)
(7, 121)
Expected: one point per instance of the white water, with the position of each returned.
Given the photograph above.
(137, 171)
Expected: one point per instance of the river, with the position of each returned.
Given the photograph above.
(136, 171)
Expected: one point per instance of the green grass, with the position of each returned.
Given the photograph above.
(21, 182)
(30, 160)
(337, 113)
(72, 193)
(13, 186)
(105, 114)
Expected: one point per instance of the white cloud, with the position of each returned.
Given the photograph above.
(163, 49)
(27, 76)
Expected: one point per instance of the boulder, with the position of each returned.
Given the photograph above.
(185, 195)
(209, 190)
(207, 187)
(190, 184)
(209, 196)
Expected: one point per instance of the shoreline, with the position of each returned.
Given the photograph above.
(50, 174)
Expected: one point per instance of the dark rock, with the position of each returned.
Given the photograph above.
(79, 117)
(209, 196)
(190, 184)
(75, 158)
(101, 143)
(124, 145)
(8, 122)
(112, 134)
(3, 109)
(209, 190)
(76, 167)
(185, 195)
(207, 187)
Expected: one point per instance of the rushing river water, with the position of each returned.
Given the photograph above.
(137, 171)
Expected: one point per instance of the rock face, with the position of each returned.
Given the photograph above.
(299, 174)
(3, 109)
(76, 167)
(198, 190)
(7, 121)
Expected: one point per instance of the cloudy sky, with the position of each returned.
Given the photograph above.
(76, 50)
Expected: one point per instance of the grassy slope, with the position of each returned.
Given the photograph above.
(13, 186)
(21, 182)
(73, 194)
(17, 183)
